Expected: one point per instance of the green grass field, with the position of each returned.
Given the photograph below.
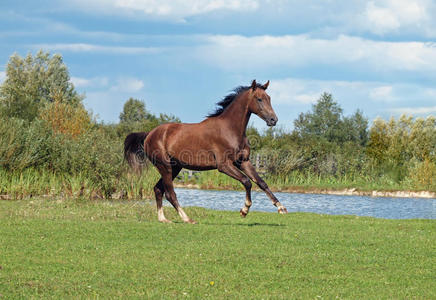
(89, 249)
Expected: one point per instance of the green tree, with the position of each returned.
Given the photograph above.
(331, 143)
(423, 138)
(134, 111)
(164, 118)
(356, 128)
(34, 81)
(325, 120)
(135, 117)
(378, 144)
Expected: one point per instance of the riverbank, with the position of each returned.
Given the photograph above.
(295, 190)
(343, 192)
(39, 183)
(109, 249)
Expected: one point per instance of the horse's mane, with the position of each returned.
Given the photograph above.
(227, 100)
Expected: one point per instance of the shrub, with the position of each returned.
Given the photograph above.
(23, 145)
(67, 119)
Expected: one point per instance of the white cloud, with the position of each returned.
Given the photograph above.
(251, 53)
(2, 76)
(171, 9)
(128, 85)
(304, 91)
(81, 47)
(429, 110)
(383, 93)
(381, 17)
(122, 84)
(80, 82)
(390, 15)
(291, 91)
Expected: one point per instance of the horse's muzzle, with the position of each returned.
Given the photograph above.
(271, 121)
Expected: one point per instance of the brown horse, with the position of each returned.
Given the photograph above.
(218, 142)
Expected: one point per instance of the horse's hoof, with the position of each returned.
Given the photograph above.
(165, 221)
(282, 210)
(190, 221)
(242, 213)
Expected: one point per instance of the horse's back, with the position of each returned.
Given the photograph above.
(188, 143)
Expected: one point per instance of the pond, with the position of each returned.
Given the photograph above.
(388, 208)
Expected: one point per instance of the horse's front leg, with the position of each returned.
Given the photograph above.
(250, 171)
(229, 169)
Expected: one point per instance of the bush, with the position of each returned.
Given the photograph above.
(423, 174)
(37, 145)
(67, 119)
(23, 145)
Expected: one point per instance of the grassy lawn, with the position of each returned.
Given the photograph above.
(87, 249)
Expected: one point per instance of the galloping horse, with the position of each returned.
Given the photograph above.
(218, 142)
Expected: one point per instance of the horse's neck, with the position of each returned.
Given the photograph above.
(238, 115)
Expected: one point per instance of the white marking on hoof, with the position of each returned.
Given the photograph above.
(243, 212)
(282, 210)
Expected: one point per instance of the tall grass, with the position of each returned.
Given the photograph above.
(34, 182)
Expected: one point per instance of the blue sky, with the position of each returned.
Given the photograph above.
(181, 57)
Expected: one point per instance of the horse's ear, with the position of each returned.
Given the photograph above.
(253, 85)
(265, 86)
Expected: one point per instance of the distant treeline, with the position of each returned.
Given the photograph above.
(45, 132)
(328, 144)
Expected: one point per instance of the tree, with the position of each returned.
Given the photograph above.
(135, 117)
(378, 144)
(134, 111)
(164, 118)
(326, 122)
(356, 128)
(34, 81)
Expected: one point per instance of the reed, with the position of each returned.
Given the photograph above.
(34, 182)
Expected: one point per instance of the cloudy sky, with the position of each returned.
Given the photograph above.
(182, 56)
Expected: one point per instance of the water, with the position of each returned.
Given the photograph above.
(388, 208)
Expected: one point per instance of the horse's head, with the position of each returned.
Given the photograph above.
(260, 103)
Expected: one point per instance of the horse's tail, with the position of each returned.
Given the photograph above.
(134, 149)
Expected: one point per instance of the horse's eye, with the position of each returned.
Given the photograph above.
(259, 99)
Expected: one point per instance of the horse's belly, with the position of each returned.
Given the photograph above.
(198, 168)
(199, 160)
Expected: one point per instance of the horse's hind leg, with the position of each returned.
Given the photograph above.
(158, 192)
(168, 174)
